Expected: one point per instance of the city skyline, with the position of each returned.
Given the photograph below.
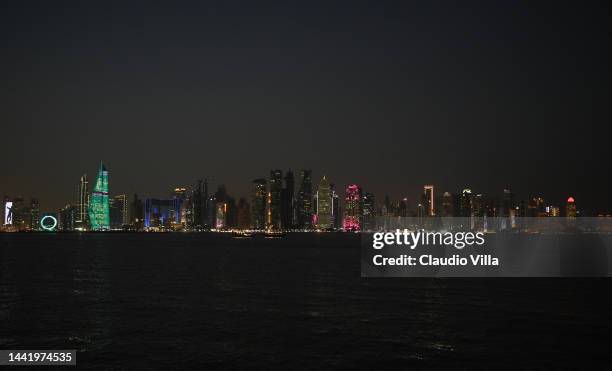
(273, 205)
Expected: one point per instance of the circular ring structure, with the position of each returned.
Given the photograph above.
(48, 227)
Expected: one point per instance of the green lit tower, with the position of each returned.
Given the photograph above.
(99, 215)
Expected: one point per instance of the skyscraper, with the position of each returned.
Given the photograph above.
(68, 218)
(243, 214)
(352, 208)
(34, 214)
(258, 204)
(118, 212)
(507, 203)
(82, 214)
(324, 205)
(288, 201)
(304, 200)
(276, 186)
(221, 215)
(198, 206)
(446, 203)
(98, 204)
(20, 214)
(181, 199)
(336, 216)
(137, 213)
(428, 199)
(367, 211)
(466, 203)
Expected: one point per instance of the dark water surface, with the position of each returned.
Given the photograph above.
(206, 301)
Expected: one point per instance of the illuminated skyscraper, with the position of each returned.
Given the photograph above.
(82, 214)
(181, 198)
(570, 208)
(367, 211)
(304, 200)
(428, 199)
(324, 205)
(221, 215)
(258, 204)
(34, 214)
(99, 215)
(352, 210)
(276, 186)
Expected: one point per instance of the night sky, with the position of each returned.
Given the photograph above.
(391, 96)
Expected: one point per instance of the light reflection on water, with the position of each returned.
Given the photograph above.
(187, 300)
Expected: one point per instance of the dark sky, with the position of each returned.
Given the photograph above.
(391, 95)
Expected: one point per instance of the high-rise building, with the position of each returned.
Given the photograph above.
(99, 216)
(288, 201)
(478, 205)
(243, 214)
(367, 211)
(20, 214)
(428, 199)
(402, 209)
(315, 204)
(181, 198)
(276, 186)
(221, 215)
(258, 204)
(34, 214)
(570, 208)
(198, 202)
(118, 212)
(82, 217)
(206, 206)
(211, 212)
(229, 209)
(68, 218)
(7, 211)
(186, 216)
(137, 219)
(324, 205)
(507, 203)
(420, 210)
(466, 203)
(446, 205)
(388, 208)
(352, 208)
(336, 216)
(304, 200)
